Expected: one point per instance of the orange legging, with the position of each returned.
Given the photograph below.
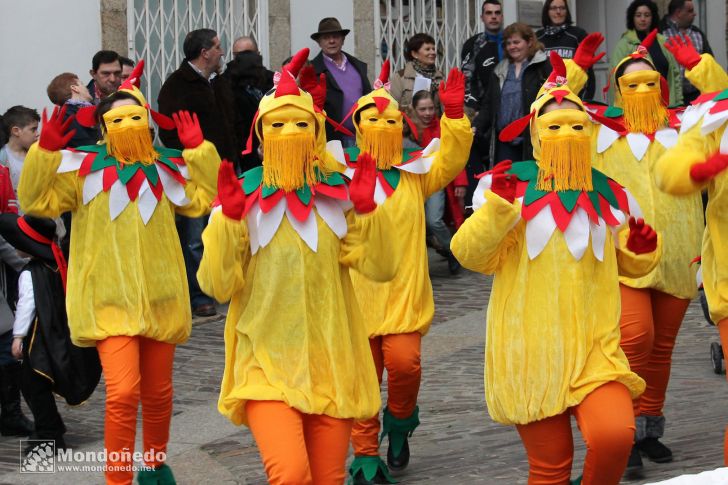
(136, 368)
(298, 448)
(723, 329)
(607, 424)
(650, 322)
(400, 355)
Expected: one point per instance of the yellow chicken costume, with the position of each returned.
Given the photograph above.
(298, 368)
(697, 162)
(127, 291)
(653, 306)
(554, 234)
(399, 312)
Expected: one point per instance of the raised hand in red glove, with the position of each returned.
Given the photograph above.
(642, 238)
(504, 185)
(683, 51)
(586, 53)
(361, 188)
(230, 192)
(704, 171)
(452, 94)
(316, 86)
(188, 129)
(54, 134)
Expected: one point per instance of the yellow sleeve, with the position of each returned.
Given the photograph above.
(203, 163)
(455, 140)
(42, 191)
(707, 75)
(366, 247)
(576, 77)
(227, 250)
(486, 237)
(672, 170)
(634, 265)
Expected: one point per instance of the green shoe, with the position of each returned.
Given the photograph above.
(365, 470)
(576, 481)
(398, 430)
(162, 475)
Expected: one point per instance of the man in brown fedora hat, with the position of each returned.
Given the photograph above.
(346, 76)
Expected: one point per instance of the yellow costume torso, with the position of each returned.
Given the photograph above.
(125, 277)
(679, 220)
(294, 332)
(405, 304)
(672, 174)
(552, 321)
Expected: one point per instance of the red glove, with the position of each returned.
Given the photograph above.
(702, 172)
(361, 188)
(230, 192)
(316, 87)
(452, 94)
(55, 135)
(585, 56)
(504, 185)
(683, 51)
(188, 129)
(642, 238)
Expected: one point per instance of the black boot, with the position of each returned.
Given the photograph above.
(650, 446)
(400, 462)
(398, 430)
(635, 460)
(12, 420)
(453, 264)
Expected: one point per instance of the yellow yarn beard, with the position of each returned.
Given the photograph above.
(131, 144)
(289, 160)
(565, 164)
(644, 112)
(384, 145)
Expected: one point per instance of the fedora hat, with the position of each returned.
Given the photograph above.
(329, 25)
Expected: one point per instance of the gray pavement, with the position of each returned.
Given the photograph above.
(456, 443)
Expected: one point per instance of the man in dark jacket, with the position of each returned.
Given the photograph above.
(346, 76)
(105, 75)
(482, 52)
(197, 88)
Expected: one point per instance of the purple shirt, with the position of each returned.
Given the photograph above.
(349, 81)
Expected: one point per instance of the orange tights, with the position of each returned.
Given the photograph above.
(649, 325)
(723, 329)
(400, 355)
(607, 425)
(136, 368)
(298, 448)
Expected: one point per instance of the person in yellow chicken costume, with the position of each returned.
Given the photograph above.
(653, 305)
(698, 163)
(399, 312)
(298, 369)
(554, 233)
(127, 292)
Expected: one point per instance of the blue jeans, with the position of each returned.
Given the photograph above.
(434, 222)
(190, 237)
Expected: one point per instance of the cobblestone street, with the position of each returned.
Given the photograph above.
(456, 443)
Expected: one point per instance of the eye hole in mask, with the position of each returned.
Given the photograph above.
(391, 122)
(136, 118)
(554, 127)
(302, 124)
(373, 120)
(578, 127)
(277, 124)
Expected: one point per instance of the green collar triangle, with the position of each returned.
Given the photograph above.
(721, 96)
(613, 112)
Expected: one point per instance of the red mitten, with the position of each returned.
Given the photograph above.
(361, 188)
(230, 192)
(316, 86)
(642, 238)
(54, 134)
(504, 185)
(188, 129)
(683, 51)
(452, 94)
(702, 172)
(585, 56)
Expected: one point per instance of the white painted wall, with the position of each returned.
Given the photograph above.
(40, 39)
(305, 17)
(715, 29)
